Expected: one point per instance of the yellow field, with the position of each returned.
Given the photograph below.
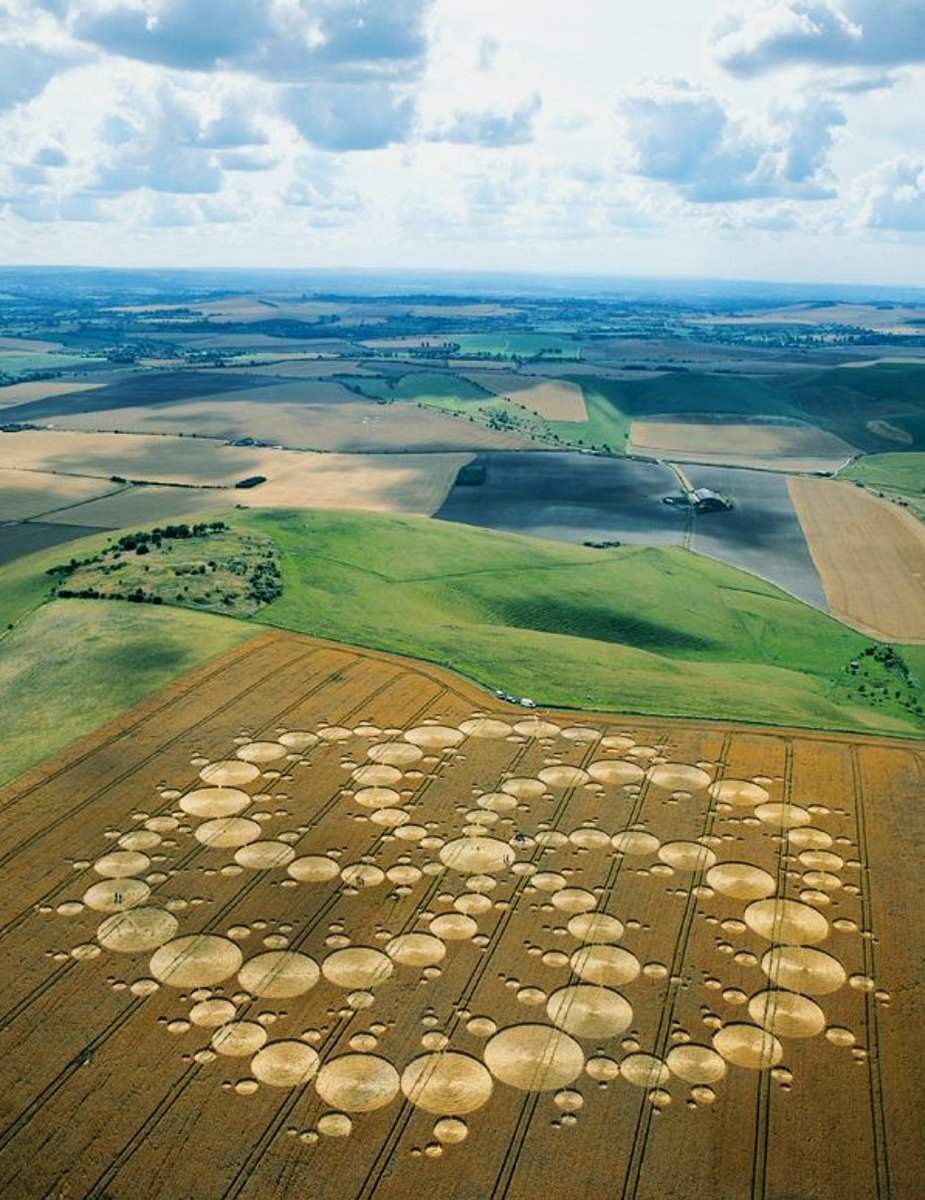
(42, 389)
(25, 494)
(409, 483)
(316, 414)
(554, 399)
(776, 447)
(399, 483)
(870, 555)
(147, 505)
(134, 456)
(314, 922)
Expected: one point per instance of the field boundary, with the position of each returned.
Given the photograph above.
(472, 688)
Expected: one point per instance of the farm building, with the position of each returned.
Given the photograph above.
(706, 500)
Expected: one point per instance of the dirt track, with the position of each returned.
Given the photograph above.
(579, 1012)
(870, 555)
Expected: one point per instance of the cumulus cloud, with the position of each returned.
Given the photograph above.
(488, 128)
(882, 33)
(684, 136)
(25, 70)
(317, 185)
(291, 40)
(155, 142)
(350, 116)
(892, 196)
(489, 48)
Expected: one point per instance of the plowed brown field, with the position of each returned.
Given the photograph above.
(312, 922)
(870, 555)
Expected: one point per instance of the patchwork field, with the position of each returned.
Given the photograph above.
(311, 415)
(190, 461)
(554, 399)
(775, 447)
(579, 498)
(870, 555)
(320, 920)
(43, 389)
(135, 389)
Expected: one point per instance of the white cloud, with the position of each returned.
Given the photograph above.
(350, 116)
(490, 128)
(776, 33)
(25, 70)
(293, 40)
(892, 196)
(684, 136)
(317, 185)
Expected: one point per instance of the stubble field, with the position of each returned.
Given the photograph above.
(775, 447)
(870, 555)
(314, 919)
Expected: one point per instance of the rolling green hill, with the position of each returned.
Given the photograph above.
(847, 400)
(636, 629)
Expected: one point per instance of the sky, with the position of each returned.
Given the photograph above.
(730, 139)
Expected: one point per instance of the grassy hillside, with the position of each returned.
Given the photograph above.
(637, 629)
(846, 400)
(606, 426)
(898, 477)
(695, 392)
(72, 665)
(904, 473)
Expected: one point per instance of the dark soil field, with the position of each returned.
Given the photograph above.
(761, 533)
(571, 498)
(27, 537)
(137, 390)
(577, 498)
(314, 922)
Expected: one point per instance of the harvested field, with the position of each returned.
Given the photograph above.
(411, 483)
(570, 498)
(168, 459)
(870, 555)
(28, 537)
(31, 345)
(554, 399)
(342, 422)
(770, 446)
(147, 503)
(315, 368)
(136, 389)
(25, 494)
(42, 389)
(314, 919)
